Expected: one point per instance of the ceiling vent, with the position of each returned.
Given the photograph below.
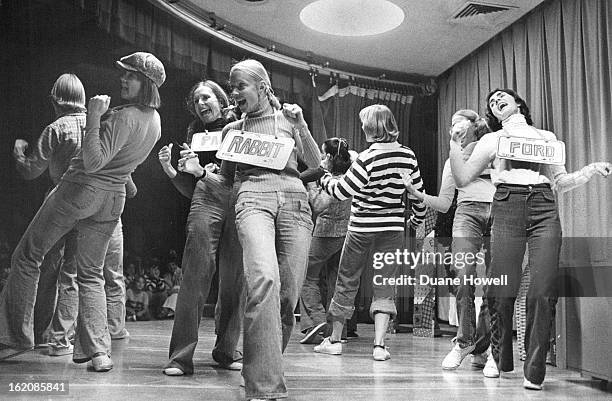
(471, 9)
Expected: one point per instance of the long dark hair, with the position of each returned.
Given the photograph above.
(493, 122)
(341, 158)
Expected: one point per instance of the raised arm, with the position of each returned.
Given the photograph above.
(562, 181)
(308, 150)
(100, 145)
(464, 171)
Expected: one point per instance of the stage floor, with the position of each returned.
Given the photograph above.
(413, 373)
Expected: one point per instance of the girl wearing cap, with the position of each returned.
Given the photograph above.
(274, 228)
(376, 225)
(210, 225)
(89, 198)
(524, 210)
(471, 229)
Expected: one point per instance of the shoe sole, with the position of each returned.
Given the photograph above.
(328, 353)
(383, 359)
(450, 368)
(313, 332)
(102, 368)
(235, 366)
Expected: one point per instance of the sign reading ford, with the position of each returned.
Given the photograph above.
(535, 150)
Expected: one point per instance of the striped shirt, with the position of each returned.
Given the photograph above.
(375, 183)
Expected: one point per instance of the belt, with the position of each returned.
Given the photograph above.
(524, 186)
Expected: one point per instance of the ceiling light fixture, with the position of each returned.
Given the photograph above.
(352, 17)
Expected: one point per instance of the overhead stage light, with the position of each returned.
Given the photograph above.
(352, 17)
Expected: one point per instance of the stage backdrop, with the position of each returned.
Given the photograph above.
(558, 59)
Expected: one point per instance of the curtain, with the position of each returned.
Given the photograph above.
(146, 27)
(336, 113)
(558, 59)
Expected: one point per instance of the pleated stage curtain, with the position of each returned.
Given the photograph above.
(558, 59)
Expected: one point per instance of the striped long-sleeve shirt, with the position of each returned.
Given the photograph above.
(375, 183)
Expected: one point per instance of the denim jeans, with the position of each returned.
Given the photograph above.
(94, 214)
(55, 314)
(357, 254)
(210, 228)
(114, 285)
(275, 232)
(57, 297)
(312, 306)
(524, 215)
(471, 229)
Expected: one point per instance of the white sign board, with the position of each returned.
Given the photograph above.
(535, 150)
(256, 149)
(206, 141)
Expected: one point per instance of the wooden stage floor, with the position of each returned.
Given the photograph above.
(413, 373)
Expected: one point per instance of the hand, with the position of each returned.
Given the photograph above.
(187, 152)
(191, 165)
(408, 183)
(458, 131)
(212, 168)
(165, 155)
(98, 105)
(294, 114)
(20, 147)
(602, 168)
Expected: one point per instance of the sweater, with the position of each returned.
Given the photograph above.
(112, 151)
(261, 179)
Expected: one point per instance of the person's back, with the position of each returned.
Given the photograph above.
(61, 140)
(127, 136)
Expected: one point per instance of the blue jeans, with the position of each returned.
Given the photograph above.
(56, 308)
(524, 215)
(94, 214)
(471, 229)
(312, 306)
(275, 231)
(57, 297)
(210, 227)
(357, 254)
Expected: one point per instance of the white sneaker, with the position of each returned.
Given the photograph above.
(60, 350)
(381, 353)
(480, 360)
(456, 355)
(490, 369)
(173, 372)
(327, 347)
(531, 386)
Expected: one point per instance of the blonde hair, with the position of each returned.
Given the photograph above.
(258, 72)
(68, 92)
(479, 126)
(378, 122)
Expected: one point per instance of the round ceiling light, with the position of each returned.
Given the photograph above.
(352, 17)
